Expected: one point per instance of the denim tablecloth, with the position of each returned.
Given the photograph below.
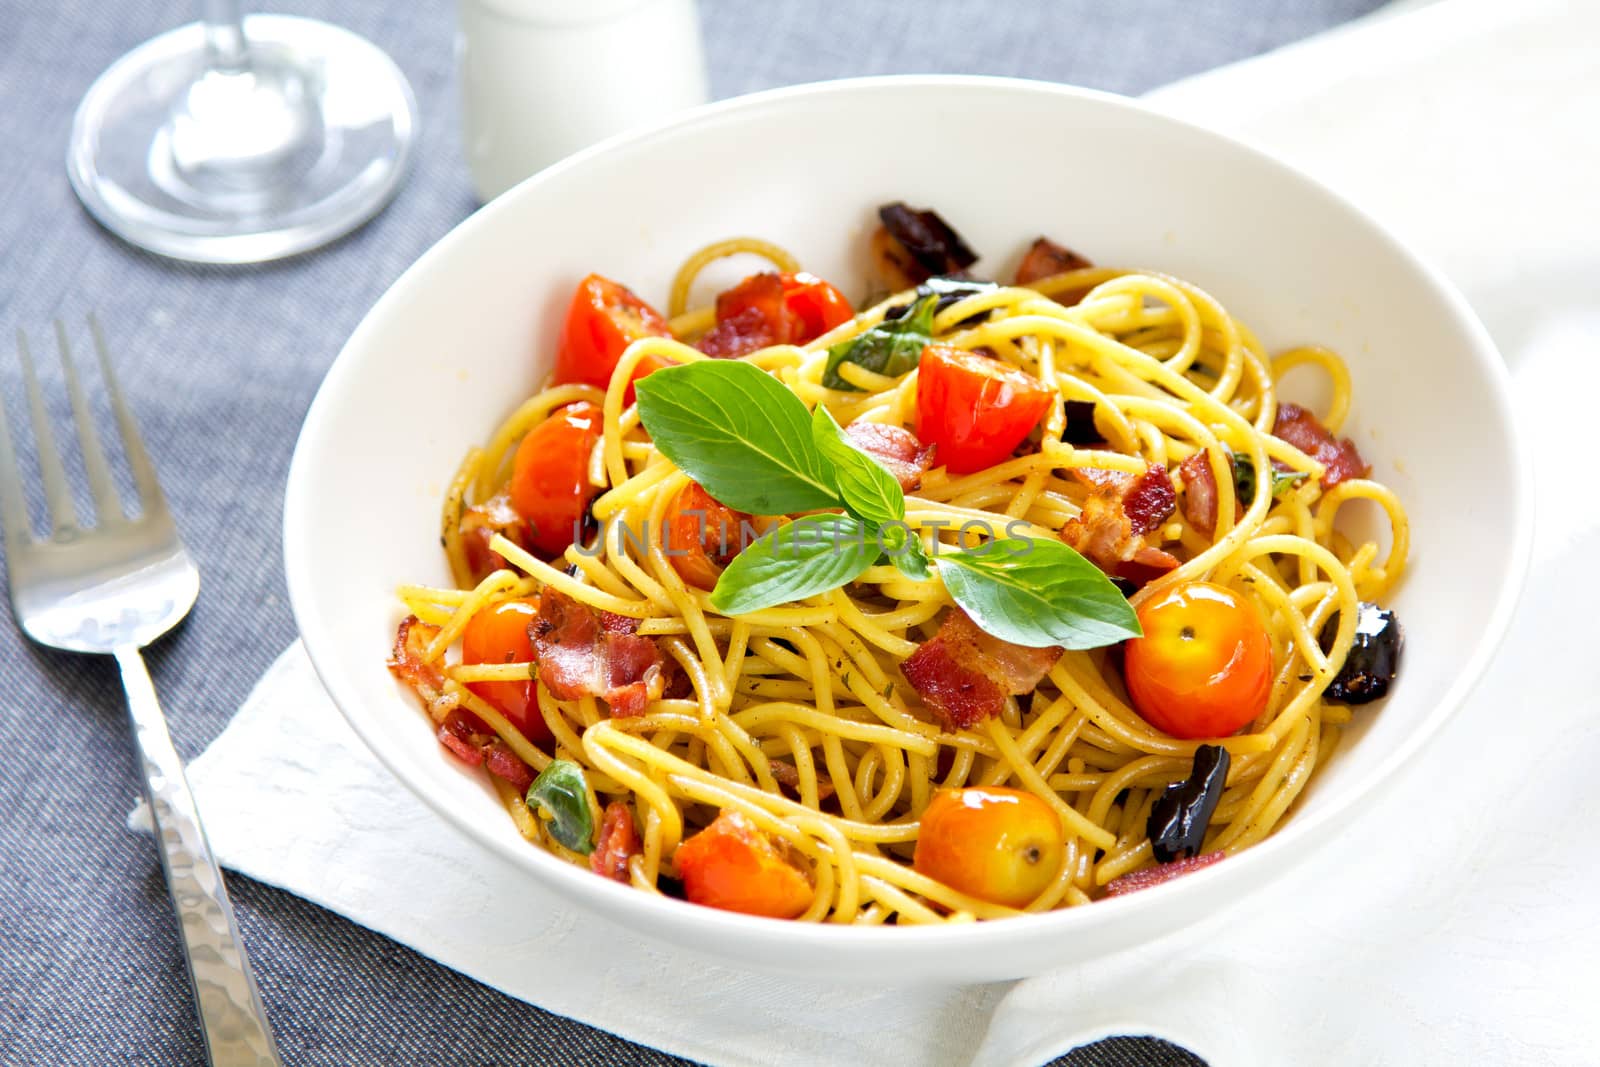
(220, 364)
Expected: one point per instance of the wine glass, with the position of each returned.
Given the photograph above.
(238, 140)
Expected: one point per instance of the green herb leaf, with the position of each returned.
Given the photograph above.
(560, 790)
(870, 492)
(1244, 478)
(799, 559)
(740, 433)
(1037, 592)
(911, 558)
(890, 348)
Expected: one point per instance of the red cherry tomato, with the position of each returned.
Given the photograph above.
(603, 319)
(702, 535)
(975, 409)
(499, 634)
(774, 309)
(732, 865)
(550, 476)
(997, 844)
(1204, 665)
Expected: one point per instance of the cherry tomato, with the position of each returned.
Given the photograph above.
(499, 634)
(603, 319)
(997, 844)
(774, 309)
(732, 865)
(975, 409)
(550, 476)
(1204, 665)
(702, 535)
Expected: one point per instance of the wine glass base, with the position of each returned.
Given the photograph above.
(342, 113)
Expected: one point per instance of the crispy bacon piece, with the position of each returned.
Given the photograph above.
(479, 524)
(1134, 881)
(1046, 259)
(744, 332)
(964, 675)
(1339, 458)
(583, 652)
(788, 776)
(619, 841)
(897, 450)
(411, 642)
(1200, 493)
(466, 736)
(1121, 509)
(506, 764)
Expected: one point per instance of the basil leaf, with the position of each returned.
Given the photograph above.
(561, 791)
(911, 559)
(890, 348)
(1037, 592)
(799, 559)
(1244, 478)
(740, 433)
(870, 492)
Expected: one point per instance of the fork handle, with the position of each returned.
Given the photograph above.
(232, 1017)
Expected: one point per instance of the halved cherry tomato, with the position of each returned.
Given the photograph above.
(702, 535)
(603, 319)
(1204, 665)
(732, 865)
(774, 309)
(975, 409)
(550, 476)
(997, 844)
(499, 634)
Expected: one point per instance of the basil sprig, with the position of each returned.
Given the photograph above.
(1030, 591)
(560, 790)
(739, 433)
(891, 348)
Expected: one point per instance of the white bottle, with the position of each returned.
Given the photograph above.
(541, 79)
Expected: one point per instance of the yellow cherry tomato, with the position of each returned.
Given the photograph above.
(997, 844)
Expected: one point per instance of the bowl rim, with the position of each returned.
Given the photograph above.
(1286, 846)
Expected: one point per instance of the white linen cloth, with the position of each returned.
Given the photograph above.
(1453, 922)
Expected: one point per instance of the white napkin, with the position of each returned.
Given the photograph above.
(1454, 922)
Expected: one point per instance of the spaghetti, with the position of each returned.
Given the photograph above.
(800, 719)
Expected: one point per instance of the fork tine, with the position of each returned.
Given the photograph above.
(63, 514)
(151, 499)
(107, 507)
(13, 509)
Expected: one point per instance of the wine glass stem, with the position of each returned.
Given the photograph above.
(226, 50)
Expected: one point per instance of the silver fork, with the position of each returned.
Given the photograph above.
(113, 588)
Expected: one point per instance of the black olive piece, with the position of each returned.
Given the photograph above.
(936, 247)
(949, 289)
(1182, 812)
(1374, 656)
(1080, 428)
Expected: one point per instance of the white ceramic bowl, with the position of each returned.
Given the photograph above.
(469, 331)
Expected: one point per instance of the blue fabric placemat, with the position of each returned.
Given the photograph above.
(220, 365)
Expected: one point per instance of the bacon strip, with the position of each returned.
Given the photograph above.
(1121, 509)
(1200, 493)
(503, 763)
(479, 524)
(964, 675)
(1046, 259)
(619, 841)
(411, 642)
(787, 776)
(1339, 458)
(1134, 881)
(582, 652)
(743, 332)
(898, 451)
